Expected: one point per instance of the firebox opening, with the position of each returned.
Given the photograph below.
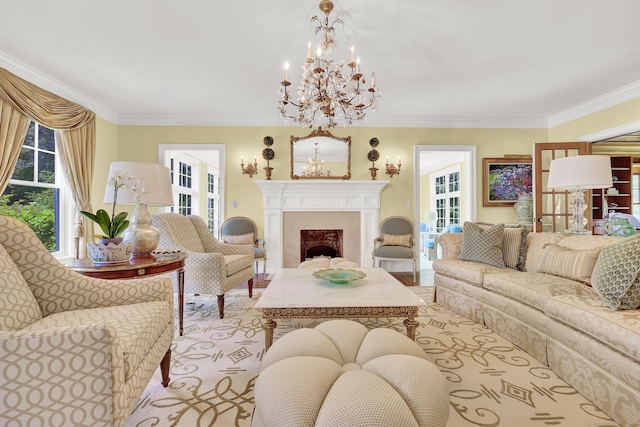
(320, 243)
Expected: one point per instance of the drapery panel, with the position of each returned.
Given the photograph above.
(13, 130)
(75, 127)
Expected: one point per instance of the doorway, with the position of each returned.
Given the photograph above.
(432, 162)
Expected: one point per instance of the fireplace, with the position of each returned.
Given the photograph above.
(292, 205)
(320, 243)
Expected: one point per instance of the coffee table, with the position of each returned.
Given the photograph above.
(295, 293)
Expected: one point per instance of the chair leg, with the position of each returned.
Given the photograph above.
(165, 364)
(250, 286)
(221, 305)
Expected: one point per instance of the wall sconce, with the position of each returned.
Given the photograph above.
(392, 169)
(373, 155)
(268, 154)
(251, 169)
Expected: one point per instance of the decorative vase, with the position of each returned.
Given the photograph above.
(524, 210)
(109, 251)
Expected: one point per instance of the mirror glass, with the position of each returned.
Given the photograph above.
(320, 155)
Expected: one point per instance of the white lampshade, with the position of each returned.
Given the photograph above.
(429, 216)
(155, 178)
(580, 172)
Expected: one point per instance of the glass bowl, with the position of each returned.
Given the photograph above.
(339, 275)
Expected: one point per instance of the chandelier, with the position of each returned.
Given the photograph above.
(315, 166)
(330, 93)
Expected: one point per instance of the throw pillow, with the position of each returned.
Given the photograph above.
(396, 240)
(616, 274)
(241, 239)
(571, 264)
(482, 245)
(18, 307)
(514, 244)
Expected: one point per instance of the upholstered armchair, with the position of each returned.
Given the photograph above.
(211, 267)
(240, 230)
(75, 350)
(395, 243)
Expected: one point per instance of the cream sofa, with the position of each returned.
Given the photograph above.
(75, 350)
(561, 321)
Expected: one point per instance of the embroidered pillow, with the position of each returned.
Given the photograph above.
(242, 239)
(616, 274)
(571, 264)
(396, 240)
(482, 245)
(514, 244)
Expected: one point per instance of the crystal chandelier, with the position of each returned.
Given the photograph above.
(315, 166)
(330, 93)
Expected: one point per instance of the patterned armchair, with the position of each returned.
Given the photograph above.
(395, 243)
(211, 267)
(242, 230)
(75, 350)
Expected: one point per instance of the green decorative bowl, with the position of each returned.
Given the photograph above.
(339, 275)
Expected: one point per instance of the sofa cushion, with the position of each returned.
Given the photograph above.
(535, 247)
(237, 263)
(571, 264)
(616, 275)
(482, 245)
(533, 289)
(136, 327)
(396, 240)
(467, 271)
(18, 306)
(592, 316)
(514, 244)
(241, 239)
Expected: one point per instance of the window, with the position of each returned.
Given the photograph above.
(37, 194)
(213, 200)
(447, 197)
(185, 189)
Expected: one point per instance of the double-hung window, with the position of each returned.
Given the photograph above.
(446, 191)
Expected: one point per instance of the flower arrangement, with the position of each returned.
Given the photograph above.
(112, 226)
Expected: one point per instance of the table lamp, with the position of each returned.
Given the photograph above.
(578, 173)
(429, 218)
(156, 183)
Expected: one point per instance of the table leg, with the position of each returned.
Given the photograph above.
(268, 325)
(411, 326)
(181, 300)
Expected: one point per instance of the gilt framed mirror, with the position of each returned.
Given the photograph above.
(320, 155)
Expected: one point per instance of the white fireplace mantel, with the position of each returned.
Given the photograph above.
(319, 196)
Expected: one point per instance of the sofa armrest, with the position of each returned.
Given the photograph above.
(451, 244)
(75, 291)
(68, 370)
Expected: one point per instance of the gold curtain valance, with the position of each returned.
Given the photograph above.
(42, 106)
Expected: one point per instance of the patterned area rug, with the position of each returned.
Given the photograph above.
(492, 383)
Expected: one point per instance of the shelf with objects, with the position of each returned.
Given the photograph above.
(616, 199)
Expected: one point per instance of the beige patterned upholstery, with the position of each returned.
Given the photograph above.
(550, 311)
(342, 374)
(84, 354)
(400, 250)
(211, 267)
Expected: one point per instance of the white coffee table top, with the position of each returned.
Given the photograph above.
(297, 288)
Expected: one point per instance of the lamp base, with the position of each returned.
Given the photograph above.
(141, 233)
(577, 221)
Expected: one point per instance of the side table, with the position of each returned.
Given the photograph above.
(158, 263)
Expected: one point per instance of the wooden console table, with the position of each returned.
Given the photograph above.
(160, 263)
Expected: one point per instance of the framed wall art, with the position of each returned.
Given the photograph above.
(504, 179)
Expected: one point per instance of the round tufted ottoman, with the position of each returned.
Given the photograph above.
(342, 374)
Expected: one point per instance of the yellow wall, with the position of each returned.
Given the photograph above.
(140, 143)
(617, 115)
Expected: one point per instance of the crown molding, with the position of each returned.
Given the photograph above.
(618, 96)
(47, 83)
(611, 132)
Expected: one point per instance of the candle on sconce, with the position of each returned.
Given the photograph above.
(318, 53)
(358, 65)
(286, 71)
(255, 159)
(352, 49)
(242, 159)
(373, 79)
(309, 50)
(399, 160)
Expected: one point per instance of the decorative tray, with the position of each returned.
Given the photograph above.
(339, 275)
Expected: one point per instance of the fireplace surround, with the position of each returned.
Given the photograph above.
(325, 204)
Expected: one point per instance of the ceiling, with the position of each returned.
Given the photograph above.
(454, 63)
